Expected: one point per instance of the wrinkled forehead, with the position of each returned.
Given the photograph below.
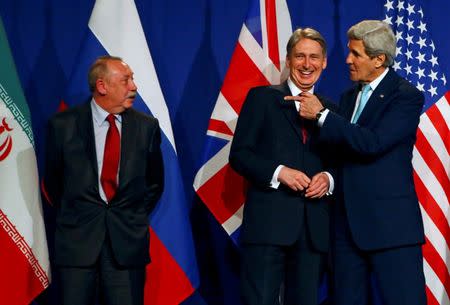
(117, 66)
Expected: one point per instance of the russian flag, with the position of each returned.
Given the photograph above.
(115, 29)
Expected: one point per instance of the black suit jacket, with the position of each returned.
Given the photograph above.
(375, 178)
(268, 134)
(83, 219)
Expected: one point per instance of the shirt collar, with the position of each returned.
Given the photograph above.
(296, 90)
(374, 84)
(99, 114)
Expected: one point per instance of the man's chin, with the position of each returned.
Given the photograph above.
(128, 104)
(353, 76)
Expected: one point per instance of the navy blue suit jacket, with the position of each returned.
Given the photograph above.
(375, 174)
(268, 134)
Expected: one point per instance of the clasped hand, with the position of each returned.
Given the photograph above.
(296, 180)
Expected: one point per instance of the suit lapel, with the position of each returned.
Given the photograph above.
(346, 109)
(288, 108)
(86, 131)
(126, 138)
(378, 99)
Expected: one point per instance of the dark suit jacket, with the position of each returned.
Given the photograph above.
(83, 219)
(376, 176)
(268, 134)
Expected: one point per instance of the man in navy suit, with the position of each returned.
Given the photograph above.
(376, 222)
(284, 233)
(104, 175)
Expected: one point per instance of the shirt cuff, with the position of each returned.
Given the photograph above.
(274, 183)
(331, 187)
(322, 119)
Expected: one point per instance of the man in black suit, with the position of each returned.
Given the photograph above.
(377, 222)
(104, 175)
(284, 233)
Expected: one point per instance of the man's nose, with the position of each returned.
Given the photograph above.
(133, 85)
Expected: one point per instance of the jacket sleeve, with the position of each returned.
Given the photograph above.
(245, 156)
(52, 183)
(396, 124)
(155, 169)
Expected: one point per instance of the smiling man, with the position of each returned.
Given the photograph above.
(284, 233)
(104, 175)
(377, 225)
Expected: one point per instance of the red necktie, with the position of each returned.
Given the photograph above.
(304, 132)
(111, 155)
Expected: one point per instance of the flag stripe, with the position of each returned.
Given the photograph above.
(219, 126)
(437, 264)
(429, 180)
(433, 162)
(128, 39)
(435, 238)
(435, 285)
(431, 299)
(437, 119)
(223, 204)
(427, 127)
(428, 203)
(24, 261)
(22, 276)
(259, 56)
(168, 278)
(272, 32)
(242, 74)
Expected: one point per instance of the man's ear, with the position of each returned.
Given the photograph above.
(101, 86)
(379, 60)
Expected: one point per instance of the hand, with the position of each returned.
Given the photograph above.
(309, 105)
(319, 186)
(294, 179)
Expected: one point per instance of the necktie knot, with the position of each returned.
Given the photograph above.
(111, 119)
(365, 90)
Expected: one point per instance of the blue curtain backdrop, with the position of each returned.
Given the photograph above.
(191, 43)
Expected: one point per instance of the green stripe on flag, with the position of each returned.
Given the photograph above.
(11, 93)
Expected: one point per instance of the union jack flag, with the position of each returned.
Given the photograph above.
(417, 60)
(258, 59)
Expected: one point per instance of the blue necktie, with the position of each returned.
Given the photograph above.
(362, 102)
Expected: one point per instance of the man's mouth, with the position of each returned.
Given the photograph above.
(306, 73)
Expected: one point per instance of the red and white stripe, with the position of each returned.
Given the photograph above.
(431, 161)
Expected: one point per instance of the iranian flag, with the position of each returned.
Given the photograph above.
(24, 264)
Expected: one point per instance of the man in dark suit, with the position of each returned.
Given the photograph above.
(377, 225)
(104, 175)
(284, 233)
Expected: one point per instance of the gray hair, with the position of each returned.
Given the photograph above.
(308, 33)
(377, 37)
(99, 69)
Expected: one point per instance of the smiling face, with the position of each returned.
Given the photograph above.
(306, 62)
(362, 67)
(117, 87)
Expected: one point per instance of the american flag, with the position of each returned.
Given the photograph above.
(417, 60)
(258, 59)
